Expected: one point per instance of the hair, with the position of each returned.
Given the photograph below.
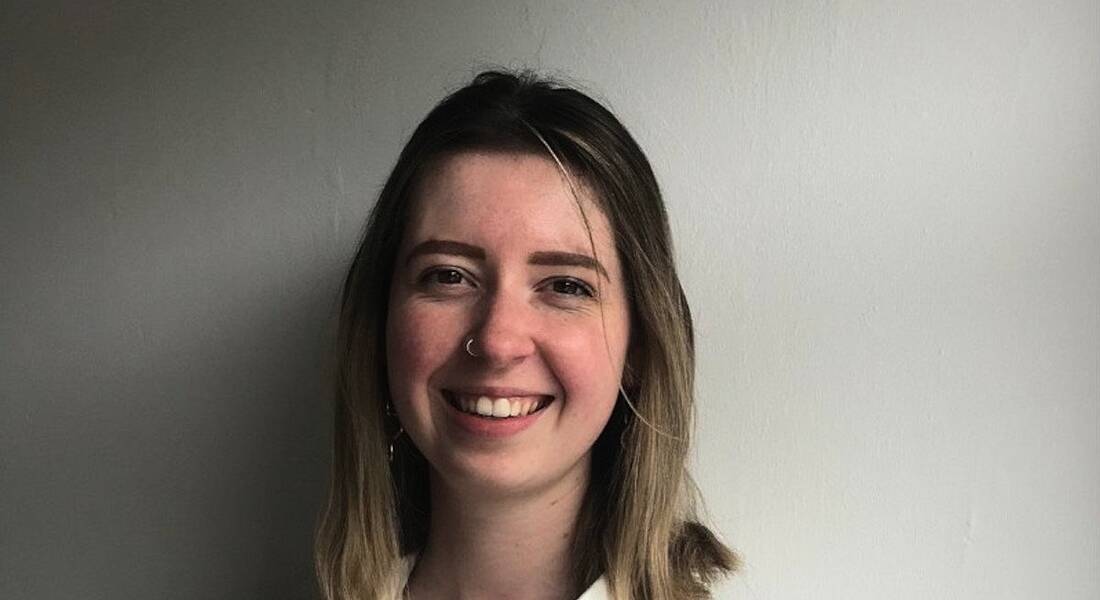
(637, 525)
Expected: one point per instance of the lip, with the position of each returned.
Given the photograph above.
(491, 428)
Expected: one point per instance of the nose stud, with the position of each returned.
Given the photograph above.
(470, 347)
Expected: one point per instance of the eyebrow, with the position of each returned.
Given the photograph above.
(445, 247)
(544, 257)
(567, 259)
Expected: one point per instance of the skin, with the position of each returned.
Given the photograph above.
(504, 507)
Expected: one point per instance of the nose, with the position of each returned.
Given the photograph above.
(503, 337)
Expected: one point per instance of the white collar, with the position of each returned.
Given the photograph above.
(597, 591)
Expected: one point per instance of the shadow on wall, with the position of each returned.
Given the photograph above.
(171, 254)
(198, 470)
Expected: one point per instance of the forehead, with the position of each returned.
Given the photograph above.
(505, 198)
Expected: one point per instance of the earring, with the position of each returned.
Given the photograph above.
(397, 437)
(390, 412)
(469, 347)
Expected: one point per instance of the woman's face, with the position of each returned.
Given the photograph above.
(496, 249)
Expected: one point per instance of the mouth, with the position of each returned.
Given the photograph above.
(496, 407)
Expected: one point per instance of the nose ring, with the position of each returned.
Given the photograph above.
(469, 347)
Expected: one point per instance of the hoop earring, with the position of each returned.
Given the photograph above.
(469, 347)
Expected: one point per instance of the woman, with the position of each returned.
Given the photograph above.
(514, 400)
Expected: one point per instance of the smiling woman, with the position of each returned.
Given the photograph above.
(514, 401)
(515, 293)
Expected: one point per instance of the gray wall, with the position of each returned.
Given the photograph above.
(887, 217)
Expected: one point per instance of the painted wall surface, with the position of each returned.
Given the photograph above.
(887, 217)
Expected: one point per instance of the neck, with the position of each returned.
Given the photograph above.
(486, 546)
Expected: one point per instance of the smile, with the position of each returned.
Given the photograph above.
(496, 407)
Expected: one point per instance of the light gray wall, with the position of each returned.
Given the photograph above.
(887, 217)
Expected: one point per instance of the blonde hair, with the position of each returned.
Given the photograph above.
(638, 524)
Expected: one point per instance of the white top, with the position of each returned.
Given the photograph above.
(597, 591)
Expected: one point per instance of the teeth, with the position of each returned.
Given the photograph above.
(502, 408)
(498, 408)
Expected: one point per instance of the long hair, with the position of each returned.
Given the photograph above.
(637, 524)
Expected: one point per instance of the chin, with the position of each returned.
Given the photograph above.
(510, 477)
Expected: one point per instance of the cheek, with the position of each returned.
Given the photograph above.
(589, 366)
(416, 346)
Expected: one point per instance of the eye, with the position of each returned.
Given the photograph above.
(443, 276)
(571, 287)
(446, 276)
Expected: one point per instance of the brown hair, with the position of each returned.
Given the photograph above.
(637, 525)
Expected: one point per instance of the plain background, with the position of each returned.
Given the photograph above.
(887, 218)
